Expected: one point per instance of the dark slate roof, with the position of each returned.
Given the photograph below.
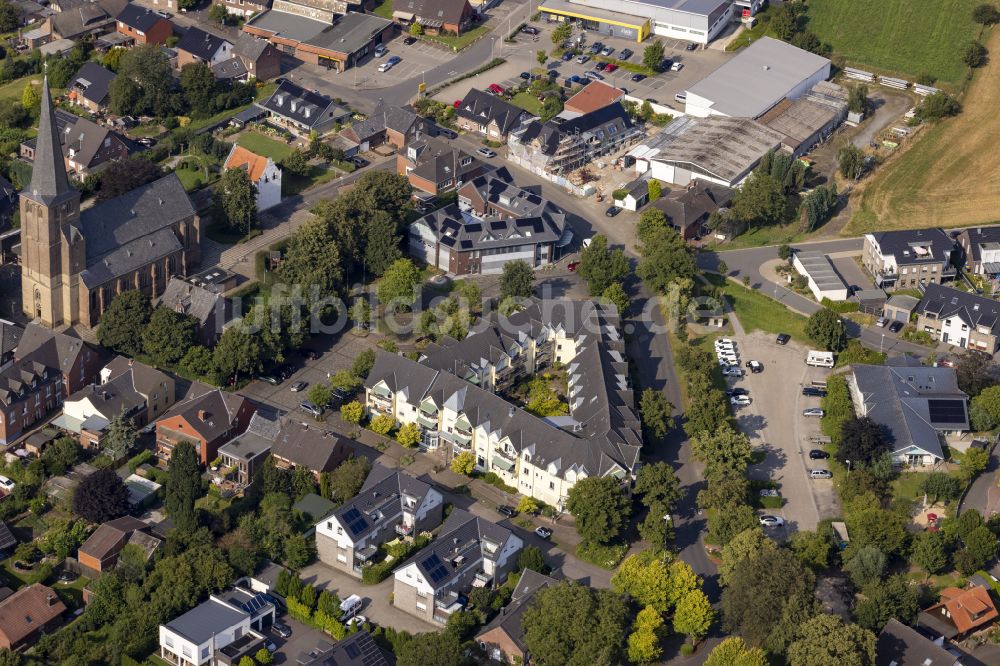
(220, 410)
(901, 244)
(257, 440)
(385, 117)
(134, 229)
(382, 496)
(913, 403)
(206, 620)
(521, 599)
(437, 161)
(10, 336)
(596, 125)
(310, 108)
(482, 107)
(462, 534)
(250, 47)
(89, 142)
(78, 20)
(463, 231)
(976, 311)
(234, 68)
(900, 645)
(980, 235)
(55, 350)
(306, 446)
(442, 11)
(49, 183)
(358, 649)
(186, 298)
(7, 538)
(139, 18)
(107, 537)
(688, 206)
(200, 44)
(93, 82)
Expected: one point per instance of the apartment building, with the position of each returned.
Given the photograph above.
(909, 259)
(220, 631)
(469, 552)
(390, 505)
(959, 318)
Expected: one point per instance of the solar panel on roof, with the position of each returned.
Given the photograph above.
(255, 604)
(436, 570)
(355, 520)
(352, 651)
(946, 411)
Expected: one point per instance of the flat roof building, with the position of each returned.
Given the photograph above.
(824, 281)
(698, 21)
(338, 45)
(756, 79)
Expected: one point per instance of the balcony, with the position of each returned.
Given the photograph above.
(404, 530)
(483, 579)
(427, 420)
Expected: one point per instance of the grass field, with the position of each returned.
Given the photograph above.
(11, 91)
(758, 312)
(949, 177)
(266, 146)
(528, 102)
(898, 36)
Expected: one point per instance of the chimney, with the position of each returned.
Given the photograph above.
(50, 599)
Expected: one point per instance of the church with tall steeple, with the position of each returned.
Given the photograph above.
(74, 263)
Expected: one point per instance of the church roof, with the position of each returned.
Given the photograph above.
(49, 182)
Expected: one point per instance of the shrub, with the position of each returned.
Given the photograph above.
(607, 557)
(382, 424)
(687, 649)
(352, 412)
(140, 458)
(376, 573)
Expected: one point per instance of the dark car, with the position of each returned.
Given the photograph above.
(601, 66)
(410, 40)
(813, 392)
(665, 64)
(525, 75)
(896, 326)
(783, 338)
(691, 46)
(612, 211)
(282, 630)
(737, 391)
(625, 54)
(529, 30)
(506, 510)
(816, 454)
(568, 55)
(638, 77)
(359, 162)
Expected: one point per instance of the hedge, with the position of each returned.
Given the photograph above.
(376, 573)
(138, 459)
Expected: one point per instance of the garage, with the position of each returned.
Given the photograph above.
(900, 306)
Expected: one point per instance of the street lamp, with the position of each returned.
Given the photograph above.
(848, 467)
(881, 344)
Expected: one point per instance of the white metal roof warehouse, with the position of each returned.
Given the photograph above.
(696, 21)
(824, 281)
(759, 77)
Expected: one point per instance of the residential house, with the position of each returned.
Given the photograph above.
(909, 259)
(84, 19)
(503, 638)
(489, 115)
(29, 390)
(90, 87)
(143, 25)
(558, 146)
(28, 613)
(960, 318)
(980, 248)
(157, 388)
(8, 542)
(916, 405)
(393, 125)
(633, 195)
(208, 420)
(469, 552)
(77, 361)
(10, 336)
(231, 70)
(900, 645)
(244, 8)
(390, 505)
(219, 631)
(245, 453)
(595, 95)
(196, 45)
(100, 551)
(301, 111)
(301, 445)
(435, 16)
(357, 649)
(207, 306)
(960, 613)
(263, 172)
(451, 394)
(493, 222)
(90, 411)
(261, 59)
(687, 210)
(87, 147)
(434, 167)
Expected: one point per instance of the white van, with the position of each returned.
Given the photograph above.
(820, 359)
(350, 606)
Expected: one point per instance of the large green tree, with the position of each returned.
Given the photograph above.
(890, 598)
(602, 266)
(645, 577)
(169, 335)
(760, 200)
(693, 615)
(825, 639)
(665, 258)
(734, 651)
(825, 328)
(516, 280)
(347, 479)
(236, 200)
(862, 441)
(724, 451)
(652, 55)
(122, 324)
(599, 507)
(238, 352)
(382, 246)
(198, 85)
(313, 259)
(435, 647)
(656, 414)
(574, 625)
(743, 546)
(397, 290)
(120, 437)
(100, 497)
(183, 487)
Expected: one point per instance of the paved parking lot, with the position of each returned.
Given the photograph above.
(775, 422)
(304, 639)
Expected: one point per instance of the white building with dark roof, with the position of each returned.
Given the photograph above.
(219, 631)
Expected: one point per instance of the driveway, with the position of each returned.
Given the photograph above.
(984, 494)
(889, 106)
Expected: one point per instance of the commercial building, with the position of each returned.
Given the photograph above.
(390, 505)
(434, 16)
(910, 258)
(822, 277)
(697, 21)
(806, 121)
(959, 318)
(338, 45)
(755, 80)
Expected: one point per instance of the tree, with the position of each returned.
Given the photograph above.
(646, 578)
(218, 14)
(986, 14)
(973, 55)
(657, 483)
(655, 411)
(198, 85)
(30, 97)
(980, 549)
(644, 643)
(562, 32)
(664, 259)
(893, 597)
(734, 651)
(728, 521)
(516, 280)
(862, 441)
(236, 200)
(313, 259)
(416, 29)
(397, 290)
(61, 455)
(352, 412)
(575, 625)
(693, 615)
(363, 363)
(435, 647)
(296, 163)
(724, 451)
(183, 487)
(263, 656)
(874, 526)
(121, 176)
(541, 56)
(975, 373)
(652, 56)
(531, 557)
(320, 395)
(825, 328)
(783, 23)
(122, 324)
(382, 424)
(616, 295)
(760, 200)
(825, 639)
(938, 105)
(815, 549)
(347, 479)
(941, 486)
(819, 205)
(599, 507)
(866, 565)
(973, 464)
(409, 435)
(852, 162)
(464, 463)
(381, 243)
(101, 497)
(120, 437)
(930, 552)
(601, 266)
(238, 352)
(169, 335)
(745, 545)
(9, 19)
(655, 189)
(857, 98)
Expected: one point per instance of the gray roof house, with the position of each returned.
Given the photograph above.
(389, 505)
(293, 107)
(900, 645)
(915, 404)
(961, 319)
(358, 649)
(86, 146)
(909, 258)
(394, 125)
(247, 451)
(196, 45)
(209, 308)
(489, 115)
(92, 82)
(222, 629)
(503, 637)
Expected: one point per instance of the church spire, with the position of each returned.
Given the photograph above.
(48, 176)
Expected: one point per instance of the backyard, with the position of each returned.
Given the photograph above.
(256, 142)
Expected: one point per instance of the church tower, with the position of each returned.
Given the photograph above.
(52, 247)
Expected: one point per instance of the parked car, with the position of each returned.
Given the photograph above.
(817, 454)
(755, 366)
(572, 266)
(380, 50)
(783, 338)
(813, 392)
(768, 492)
(601, 66)
(311, 408)
(881, 322)
(505, 510)
(282, 630)
(607, 51)
(740, 400)
(525, 75)
(389, 64)
(358, 620)
(270, 379)
(676, 67)
(896, 326)
(625, 54)
(530, 30)
(146, 142)
(6, 485)
(271, 647)
(820, 474)
(447, 132)
(567, 56)
(591, 74)
(772, 521)
(691, 46)
(813, 411)
(495, 89)
(595, 48)
(410, 40)
(737, 391)
(610, 68)
(299, 386)
(665, 64)
(612, 211)
(543, 532)
(487, 152)
(732, 371)
(681, 97)
(638, 77)
(583, 58)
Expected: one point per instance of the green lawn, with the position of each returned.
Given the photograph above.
(266, 146)
(898, 36)
(768, 234)
(528, 102)
(460, 42)
(383, 9)
(758, 312)
(11, 91)
(191, 179)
